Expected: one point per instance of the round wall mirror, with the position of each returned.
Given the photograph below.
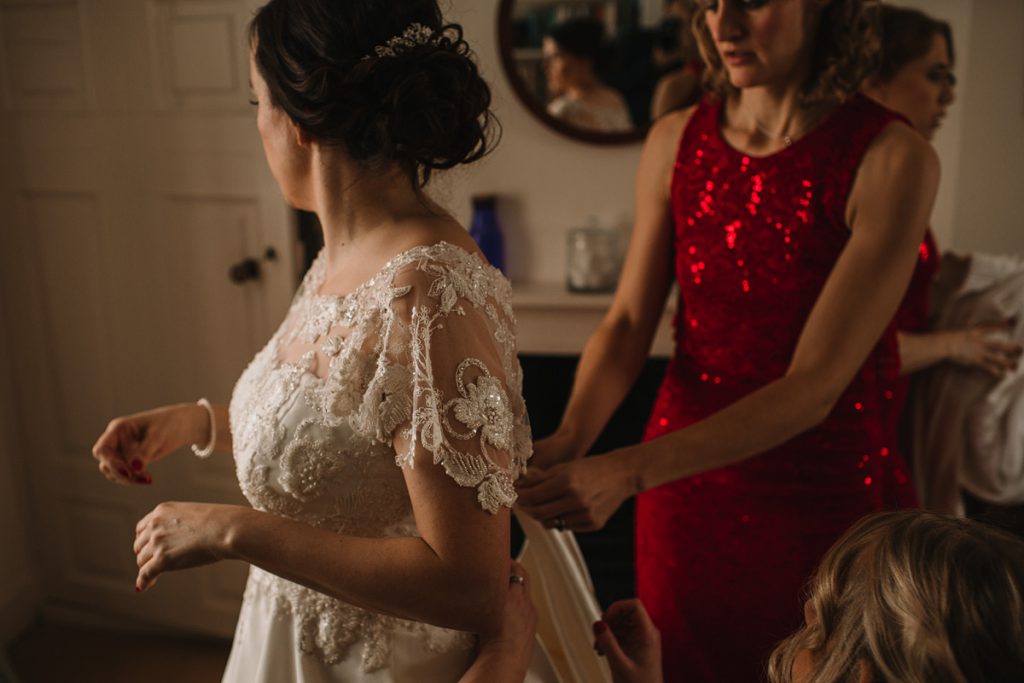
(599, 71)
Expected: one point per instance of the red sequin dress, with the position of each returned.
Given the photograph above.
(912, 316)
(722, 557)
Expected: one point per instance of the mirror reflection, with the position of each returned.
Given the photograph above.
(601, 70)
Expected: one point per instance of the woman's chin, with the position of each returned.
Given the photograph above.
(743, 78)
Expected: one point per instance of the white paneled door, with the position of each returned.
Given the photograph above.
(131, 180)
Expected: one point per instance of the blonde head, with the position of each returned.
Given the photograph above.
(913, 597)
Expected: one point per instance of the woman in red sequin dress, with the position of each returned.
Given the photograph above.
(915, 79)
(789, 210)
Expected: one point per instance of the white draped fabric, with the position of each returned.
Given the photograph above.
(967, 427)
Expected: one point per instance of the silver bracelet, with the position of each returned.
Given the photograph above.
(208, 449)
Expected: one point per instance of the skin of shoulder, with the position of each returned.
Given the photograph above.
(673, 87)
(898, 161)
(887, 211)
(608, 96)
(426, 230)
(662, 144)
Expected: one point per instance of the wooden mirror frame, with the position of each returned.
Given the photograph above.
(527, 99)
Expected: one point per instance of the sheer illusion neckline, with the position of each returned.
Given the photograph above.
(324, 310)
(319, 268)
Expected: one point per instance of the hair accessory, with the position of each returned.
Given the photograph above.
(207, 450)
(413, 35)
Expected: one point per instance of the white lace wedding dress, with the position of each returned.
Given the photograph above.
(425, 349)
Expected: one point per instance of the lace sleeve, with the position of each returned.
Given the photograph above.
(448, 379)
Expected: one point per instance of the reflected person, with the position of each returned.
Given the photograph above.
(572, 51)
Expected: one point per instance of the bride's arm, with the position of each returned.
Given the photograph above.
(223, 423)
(455, 575)
(131, 443)
(504, 656)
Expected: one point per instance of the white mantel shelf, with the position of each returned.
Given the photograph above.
(555, 322)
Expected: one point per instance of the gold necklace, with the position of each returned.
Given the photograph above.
(787, 139)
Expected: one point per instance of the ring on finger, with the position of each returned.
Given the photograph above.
(516, 578)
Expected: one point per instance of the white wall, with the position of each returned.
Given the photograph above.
(990, 184)
(982, 142)
(549, 183)
(546, 182)
(949, 139)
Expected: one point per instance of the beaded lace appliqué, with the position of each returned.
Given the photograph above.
(316, 443)
(327, 628)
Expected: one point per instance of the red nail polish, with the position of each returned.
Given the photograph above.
(600, 627)
(138, 590)
(137, 465)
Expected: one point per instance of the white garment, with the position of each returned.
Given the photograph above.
(425, 349)
(967, 427)
(563, 596)
(611, 118)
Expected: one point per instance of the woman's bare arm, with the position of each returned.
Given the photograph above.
(618, 349)
(985, 347)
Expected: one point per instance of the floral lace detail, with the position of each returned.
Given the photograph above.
(425, 351)
(329, 628)
(484, 408)
(387, 402)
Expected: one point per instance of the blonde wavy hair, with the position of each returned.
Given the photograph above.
(918, 598)
(845, 51)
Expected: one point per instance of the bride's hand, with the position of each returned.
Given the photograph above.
(131, 442)
(180, 536)
(505, 655)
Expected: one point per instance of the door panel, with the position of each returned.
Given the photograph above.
(69, 245)
(135, 179)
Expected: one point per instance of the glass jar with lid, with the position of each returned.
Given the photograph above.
(593, 259)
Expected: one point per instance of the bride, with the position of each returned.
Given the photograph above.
(379, 432)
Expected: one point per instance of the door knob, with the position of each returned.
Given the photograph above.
(246, 269)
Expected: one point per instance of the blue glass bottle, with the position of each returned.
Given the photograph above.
(486, 231)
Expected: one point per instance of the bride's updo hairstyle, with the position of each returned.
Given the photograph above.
(387, 80)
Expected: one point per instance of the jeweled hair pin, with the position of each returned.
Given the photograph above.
(414, 34)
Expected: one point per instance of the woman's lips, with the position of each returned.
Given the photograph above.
(737, 57)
